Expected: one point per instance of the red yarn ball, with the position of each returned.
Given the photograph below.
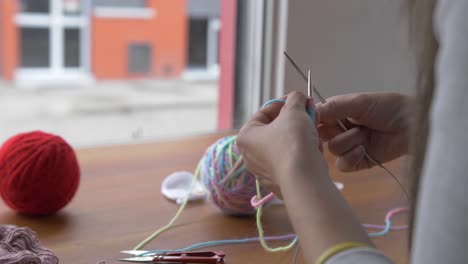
(39, 173)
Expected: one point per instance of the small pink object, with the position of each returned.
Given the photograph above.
(257, 203)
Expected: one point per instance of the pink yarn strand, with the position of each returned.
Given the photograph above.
(388, 217)
(257, 203)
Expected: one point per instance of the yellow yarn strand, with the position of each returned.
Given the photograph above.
(176, 216)
(261, 236)
(260, 228)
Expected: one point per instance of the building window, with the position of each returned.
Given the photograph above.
(35, 6)
(71, 7)
(120, 3)
(197, 48)
(72, 48)
(139, 58)
(34, 49)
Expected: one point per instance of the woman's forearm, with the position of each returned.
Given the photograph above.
(319, 213)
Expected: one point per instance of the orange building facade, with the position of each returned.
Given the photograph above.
(50, 40)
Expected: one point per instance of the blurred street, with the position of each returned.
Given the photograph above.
(117, 112)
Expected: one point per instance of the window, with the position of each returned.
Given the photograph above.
(100, 72)
(198, 32)
(120, 3)
(71, 7)
(72, 47)
(52, 41)
(34, 6)
(139, 58)
(34, 51)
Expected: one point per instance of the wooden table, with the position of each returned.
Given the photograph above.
(119, 203)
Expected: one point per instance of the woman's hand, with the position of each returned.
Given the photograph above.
(377, 122)
(280, 146)
(280, 139)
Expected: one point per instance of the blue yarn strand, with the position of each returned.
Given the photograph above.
(281, 101)
(310, 110)
(205, 245)
(215, 243)
(385, 231)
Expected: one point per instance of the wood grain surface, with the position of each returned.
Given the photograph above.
(119, 203)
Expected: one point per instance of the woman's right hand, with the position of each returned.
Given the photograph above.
(377, 123)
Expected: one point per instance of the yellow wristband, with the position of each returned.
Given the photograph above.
(337, 249)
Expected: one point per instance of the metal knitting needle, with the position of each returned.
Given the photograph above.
(340, 123)
(298, 70)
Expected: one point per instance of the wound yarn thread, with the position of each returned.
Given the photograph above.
(223, 173)
(20, 245)
(39, 173)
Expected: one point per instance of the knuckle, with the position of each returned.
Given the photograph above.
(241, 142)
(296, 94)
(332, 106)
(355, 157)
(361, 100)
(334, 147)
(357, 97)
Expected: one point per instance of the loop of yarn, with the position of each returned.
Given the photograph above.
(20, 245)
(255, 202)
(223, 173)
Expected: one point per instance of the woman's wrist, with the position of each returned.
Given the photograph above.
(303, 170)
(318, 211)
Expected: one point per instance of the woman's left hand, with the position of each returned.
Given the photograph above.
(280, 139)
(280, 146)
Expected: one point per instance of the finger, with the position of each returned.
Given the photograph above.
(265, 115)
(353, 160)
(270, 186)
(348, 140)
(330, 130)
(327, 132)
(343, 106)
(296, 101)
(320, 146)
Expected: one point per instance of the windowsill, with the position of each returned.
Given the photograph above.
(124, 12)
(32, 79)
(201, 74)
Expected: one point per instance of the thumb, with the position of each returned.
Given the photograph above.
(296, 101)
(343, 106)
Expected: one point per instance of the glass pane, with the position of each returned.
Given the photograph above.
(35, 46)
(120, 3)
(132, 82)
(218, 38)
(72, 47)
(34, 6)
(197, 42)
(139, 58)
(71, 7)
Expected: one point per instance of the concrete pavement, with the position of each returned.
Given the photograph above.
(117, 112)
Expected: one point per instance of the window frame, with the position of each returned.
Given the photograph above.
(124, 12)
